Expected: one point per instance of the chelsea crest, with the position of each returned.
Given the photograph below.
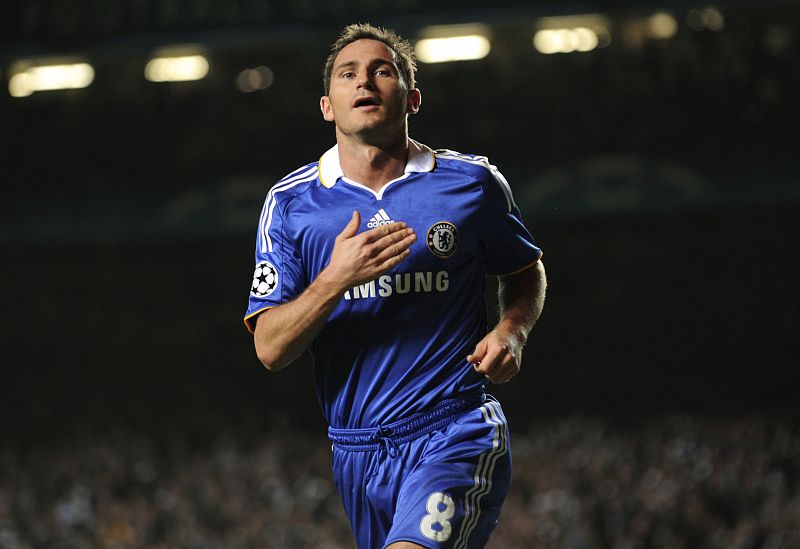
(442, 239)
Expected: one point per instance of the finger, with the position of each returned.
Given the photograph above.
(393, 261)
(507, 371)
(496, 357)
(478, 354)
(511, 365)
(373, 235)
(393, 237)
(394, 248)
(389, 241)
(491, 362)
(352, 226)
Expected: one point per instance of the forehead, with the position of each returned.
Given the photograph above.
(364, 50)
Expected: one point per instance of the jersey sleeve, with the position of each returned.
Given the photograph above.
(508, 246)
(278, 276)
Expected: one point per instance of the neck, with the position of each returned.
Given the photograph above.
(372, 165)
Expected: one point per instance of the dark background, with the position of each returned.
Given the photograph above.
(659, 176)
(657, 403)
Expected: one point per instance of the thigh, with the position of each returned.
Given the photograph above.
(453, 496)
(368, 484)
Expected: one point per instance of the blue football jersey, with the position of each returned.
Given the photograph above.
(398, 344)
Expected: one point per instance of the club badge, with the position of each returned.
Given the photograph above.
(443, 239)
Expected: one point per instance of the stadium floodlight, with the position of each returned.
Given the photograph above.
(28, 77)
(662, 26)
(571, 33)
(177, 65)
(255, 79)
(445, 43)
(565, 40)
(709, 17)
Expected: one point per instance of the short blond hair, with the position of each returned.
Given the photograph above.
(402, 49)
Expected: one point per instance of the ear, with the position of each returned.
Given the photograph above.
(326, 108)
(414, 101)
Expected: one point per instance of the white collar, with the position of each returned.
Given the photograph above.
(420, 159)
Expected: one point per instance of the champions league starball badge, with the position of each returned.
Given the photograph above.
(443, 239)
(265, 279)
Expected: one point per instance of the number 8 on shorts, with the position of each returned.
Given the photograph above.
(436, 524)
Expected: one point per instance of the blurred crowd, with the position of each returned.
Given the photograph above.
(673, 482)
(679, 482)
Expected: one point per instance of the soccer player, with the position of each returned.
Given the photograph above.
(374, 258)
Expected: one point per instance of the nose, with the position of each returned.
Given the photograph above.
(365, 80)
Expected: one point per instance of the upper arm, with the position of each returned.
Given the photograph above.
(508, 246)
(531, 280)
(278, 275)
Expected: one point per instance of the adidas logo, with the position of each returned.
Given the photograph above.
(380, 218)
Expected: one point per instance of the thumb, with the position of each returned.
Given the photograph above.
(478, 354)
(352, 226)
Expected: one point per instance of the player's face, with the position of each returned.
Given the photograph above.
(367, 97)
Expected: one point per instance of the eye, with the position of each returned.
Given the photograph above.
(383, 72)
(348, 74)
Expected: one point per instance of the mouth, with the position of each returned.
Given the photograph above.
(366, 101)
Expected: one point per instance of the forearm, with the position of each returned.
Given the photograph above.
(498, 356)
(521, 297)
(282, 333)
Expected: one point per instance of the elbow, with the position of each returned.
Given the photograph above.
(541, 274)
(269, 358)
(272, 349)
(267, 352)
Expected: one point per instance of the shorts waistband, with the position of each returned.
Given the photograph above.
(407, 429)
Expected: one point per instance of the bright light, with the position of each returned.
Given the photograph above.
(443, 43)
(457, 48)
(662, 26)
(182, 68)
(571, 33)
(20, 85)
(259, 78)
(549, 41)
(27, 78)
(587, 39)
(713, 18)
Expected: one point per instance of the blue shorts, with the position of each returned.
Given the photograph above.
(437, 478)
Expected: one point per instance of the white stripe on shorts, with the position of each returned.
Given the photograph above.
(483, 473)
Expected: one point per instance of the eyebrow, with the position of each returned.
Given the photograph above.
(343, 65)
(372, 63)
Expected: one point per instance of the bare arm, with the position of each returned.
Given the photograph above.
(282, 333)
(498, 356)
